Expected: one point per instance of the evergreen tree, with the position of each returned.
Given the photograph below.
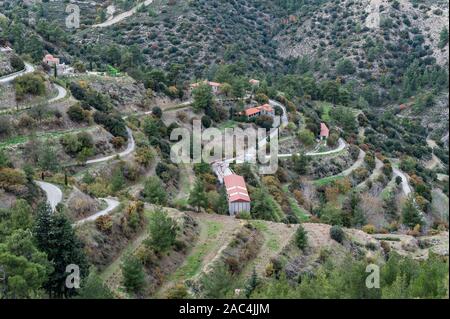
(26, 267)
(263, 206)
(410, 213)
(163, 231)
(94, 288)
(252, 283)
(154, 192)
(197, 196)
(133, 274)
(222, 204)
(217, 283)
(300, 163)
(56, 237)
(21, 215)
(301, 238)
(118, 180)
(203, 97)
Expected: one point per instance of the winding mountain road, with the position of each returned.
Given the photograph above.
(54, 193)
(405, 183)
(112, 204)
(130, 149)
(62, 93)
(376, 172)
(55, 196)
(8, 78)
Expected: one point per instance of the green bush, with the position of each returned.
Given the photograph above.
(32, 83)
(337, 233)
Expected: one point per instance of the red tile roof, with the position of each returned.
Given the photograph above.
(236, 188)
(215, 84)
(194, 85)
(255, 110)
(51, 58)
(324, 131)
(252, 111)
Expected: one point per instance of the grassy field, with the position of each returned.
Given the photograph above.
(194, 262)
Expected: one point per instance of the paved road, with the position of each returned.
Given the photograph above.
(130, 149)
(62, 92)
(405, 183)
(284, 117)
(8, 78)
(112, 204)
(54, 194)
(222, 169)
(357, 164)
(122, 16)
(376, 172)
(340, 147)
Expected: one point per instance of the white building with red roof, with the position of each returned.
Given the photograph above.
(215, 86)
(254, 82)
(62, 68)
(324, 131)
(237, 194)
(265, 109)
(50, 60)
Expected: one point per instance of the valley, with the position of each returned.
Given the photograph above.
(352, 97)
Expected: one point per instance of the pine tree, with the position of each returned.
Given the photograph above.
(197, 196)
(263, 207)
(154, 191)
(217, 283)
(410, 213)
(117, 181)
(42, 224)
(163, 231)
(301, 237)
(222, 205)
(94, 288)
(252, 283)
(133, 274)
(56, 237)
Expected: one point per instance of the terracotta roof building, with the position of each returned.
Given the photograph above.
(265, 109)
(237, 194)
(324, 131)
(215, 86)
(50, 60)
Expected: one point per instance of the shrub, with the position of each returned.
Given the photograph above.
(154, 192)
(369, 229)
(157, 112)
(76, 113)
(206, 121)
(179, 291)
(244, 215)
(32, 83)
(104, 223)
(17, 63)
(337, 233)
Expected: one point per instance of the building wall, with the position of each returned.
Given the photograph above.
(237, 207)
